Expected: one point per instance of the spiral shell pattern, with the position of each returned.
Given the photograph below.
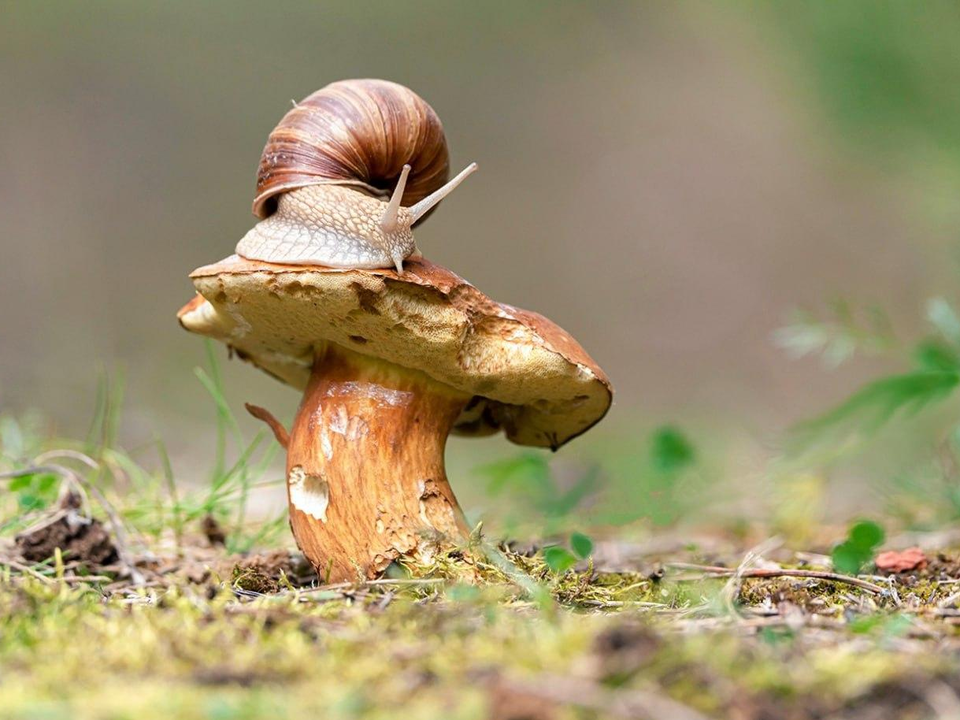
(358, 133)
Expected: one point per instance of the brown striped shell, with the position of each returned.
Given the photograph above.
(354, 132)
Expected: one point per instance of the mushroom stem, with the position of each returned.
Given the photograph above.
(365, 471)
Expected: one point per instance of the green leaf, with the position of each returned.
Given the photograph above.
(559, 559)
(888, 626)
(866, 624)
(897, 626)
(671, 450)
(777, 636)
(29, 502)
(582, 545)
(936, 356)
(20, 483)
(876, 404)
(866, 535)
(857, 550)
(46, 483)
(848, 558)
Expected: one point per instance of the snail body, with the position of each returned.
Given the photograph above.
(329, 163)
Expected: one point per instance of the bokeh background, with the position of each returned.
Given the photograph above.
(667, 181)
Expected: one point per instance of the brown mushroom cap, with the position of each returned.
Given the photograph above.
(526, 374)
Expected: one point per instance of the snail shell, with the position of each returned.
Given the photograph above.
(328, 167)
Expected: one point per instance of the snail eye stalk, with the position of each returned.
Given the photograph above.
(391, 213)
(423, 207)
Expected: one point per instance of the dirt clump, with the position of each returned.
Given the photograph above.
(80, 538)
(271, 572)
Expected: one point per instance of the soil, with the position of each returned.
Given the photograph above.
(271, 572)
(79, 538)
(682, 643)
(685, 641)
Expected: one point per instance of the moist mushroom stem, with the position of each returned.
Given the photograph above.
(365, 469)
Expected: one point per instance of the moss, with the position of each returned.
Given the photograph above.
(476, 632)
(439, 650)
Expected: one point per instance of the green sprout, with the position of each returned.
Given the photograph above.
(857, 550)
(560, 559)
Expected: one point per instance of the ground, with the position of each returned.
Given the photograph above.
(125, 594)
(647, 630)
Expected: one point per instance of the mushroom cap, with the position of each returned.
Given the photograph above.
(526, 375)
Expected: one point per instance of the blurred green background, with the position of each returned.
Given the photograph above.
(665, 180)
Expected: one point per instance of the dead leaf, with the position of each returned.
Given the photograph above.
(901, 560)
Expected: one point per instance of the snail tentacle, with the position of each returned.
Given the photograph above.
(424, 206)
(391, 213)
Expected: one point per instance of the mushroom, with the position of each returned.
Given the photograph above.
(390, 364)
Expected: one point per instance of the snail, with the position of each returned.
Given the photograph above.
(328, 168)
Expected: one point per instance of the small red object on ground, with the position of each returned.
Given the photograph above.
(901, 560)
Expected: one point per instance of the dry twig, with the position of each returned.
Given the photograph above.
(781, 572)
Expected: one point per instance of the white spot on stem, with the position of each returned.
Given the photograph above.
(309, 493)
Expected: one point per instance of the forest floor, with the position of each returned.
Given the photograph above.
(656, 629)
